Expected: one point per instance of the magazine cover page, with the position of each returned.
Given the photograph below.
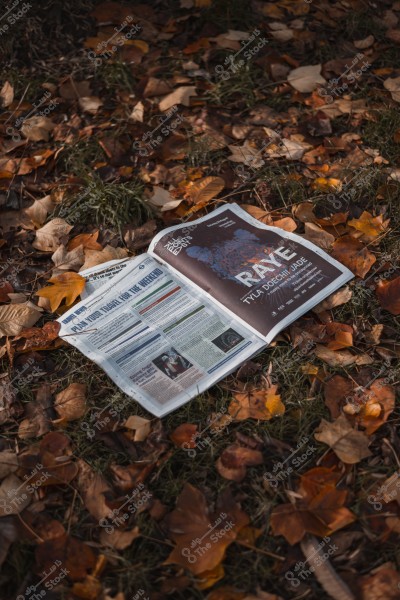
(267, 277)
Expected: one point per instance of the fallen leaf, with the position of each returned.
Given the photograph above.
(341, 358)
(306, 79)
(181, 95)
(370, 227)
(98, 257)
(49, 237)
(393, 86)
(204, 190)
(86, 240)
(234, 459)
(354, 255)
(14, 495)
(6, 94)
(140, 426)
(257, 404)
(14, 317)
(191, 520)
(318, 236)
(336, 299)
(90, 104)
(66, 286)
(163, 200)
(388, 294)
(70, 404)
(39, 210)
(65, 261)
(318, 510)
(185, 435)
(37, 128)
(37, 338)
(349, 445)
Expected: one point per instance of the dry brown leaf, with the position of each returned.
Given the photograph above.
(388, 294)
(140, 426)
(70, 404)
(181, 95)
(354, 255)
(257, 404)
(39, 210)
(341, 358)
(37, 128)
(234, 459)
(68, 260)
(258, 213)
(51, 235)
(86, 240)
(98, 257)
(7, 94)
(204, 190)
(336, 299)
(14, 495)
(90, 104)
(349, 445)
(14, 317)
(306, 79)
(318, 236)
(192, 520)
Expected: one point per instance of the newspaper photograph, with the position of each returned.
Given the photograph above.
(160, 340)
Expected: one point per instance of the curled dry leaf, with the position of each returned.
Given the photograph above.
(318, 236)
(349, 445)
(235, 459)
(37, 128)
(50, 236)
(70, 404)
(39, 210)
(185, 435)
(258, 213)
(86, 240)
(14, 317)
(369, 227)
(66, 286)
(388, 294)
(37, 338)
(341, 358)
(140, 426)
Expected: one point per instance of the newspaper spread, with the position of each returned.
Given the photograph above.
(208, 295)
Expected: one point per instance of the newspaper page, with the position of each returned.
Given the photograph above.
(99, 275)
(264, 276)
(161, 341)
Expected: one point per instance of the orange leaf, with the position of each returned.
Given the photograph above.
(87, 240)
(67, 286)
(354, 255)
(256, 404)
(388, 293)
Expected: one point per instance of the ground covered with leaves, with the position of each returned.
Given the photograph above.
(119, 119)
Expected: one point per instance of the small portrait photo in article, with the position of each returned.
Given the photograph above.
(227, 340)
(171, 363)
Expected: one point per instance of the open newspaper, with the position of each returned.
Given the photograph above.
(168, 324)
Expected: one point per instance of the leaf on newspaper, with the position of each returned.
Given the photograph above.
(349, 445)
(66, 286)
(257, 404)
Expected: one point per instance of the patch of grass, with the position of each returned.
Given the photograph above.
(114, 75)
(229, 14)
(79, 158)
(241, 85)
(357, 25)
(379, 133)
(110, 204)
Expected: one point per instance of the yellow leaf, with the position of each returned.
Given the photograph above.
(205, 190)
(371, 227)
(66, 286)
(327, 184)
(274, 405)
